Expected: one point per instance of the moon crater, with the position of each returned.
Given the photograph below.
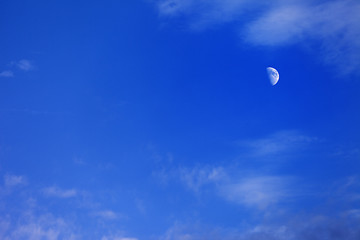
(273, 75)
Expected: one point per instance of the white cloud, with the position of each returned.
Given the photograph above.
(311, 226)
(27, 215)
(4, 227)
(60, 193)
(117, 237)
(281, 142)
(6, 74)
(35, 227)
(25, 65)
(107, 214)
(203, 14)
(34, 231)
(334, 219)
(13, 180)
(353, 213)
(197, 177)
(248, 187)
(331, 24)
(280, 26)
(140, 205)
(259, 191)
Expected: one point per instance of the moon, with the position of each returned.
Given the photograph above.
(273, 75)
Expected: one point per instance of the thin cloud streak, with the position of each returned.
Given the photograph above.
(60, 193)
(13, 180)
(117, 237)
(311, 226)
(278, 143)
(24, 65)
(332, 24)
(31, 226)
(205, 13)
(248, 187)
(107, 214)
(7, 74)
(259, 191)
(198, 177)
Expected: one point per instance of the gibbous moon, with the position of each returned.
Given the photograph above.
(273, 75)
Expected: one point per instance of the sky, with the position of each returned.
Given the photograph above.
(156, 120)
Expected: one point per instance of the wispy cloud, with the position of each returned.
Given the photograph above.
(310, 226)
(249, 187)
(34, 112)
(26, 214)
(331, 24)
(13, 180)
(140, 205)
(79, 161)
(6, 74)
(259, 191)
(338, 217)
(278, 143)
(24, 65)
(349, 190)
(60, 193)
(30, 226)
(117, 237)
(107, 214)
(205, 13)
(198, 177)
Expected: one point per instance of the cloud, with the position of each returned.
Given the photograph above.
(60, 193)
(248, 187)
(349, 190)
(35, 231)
(308, 227)
(26, 214)
(107, 214)
(140, 205)
(117, 237)
(197, 177)
(190, 232)
(336, 217)
(7, 74)
(204, 13)
(255, 191)
(259, 192)
(13, 180)
(314, 227)
(34, 227)
(24, 65)
(279, 143)
(332, 26)
(279, 26)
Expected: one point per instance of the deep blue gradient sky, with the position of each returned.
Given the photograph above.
(136, 120)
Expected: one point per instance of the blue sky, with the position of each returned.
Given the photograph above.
(155, 119)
